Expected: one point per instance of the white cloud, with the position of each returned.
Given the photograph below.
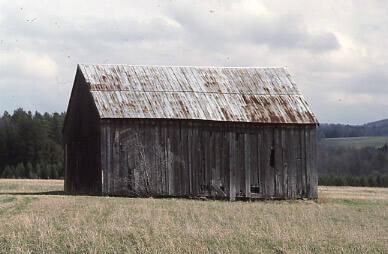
(336, 49)
(350, 99)
(212, 28)
(27, 64)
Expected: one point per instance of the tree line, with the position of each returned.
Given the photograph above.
(379, 128)
(339, 166)
(31, 145)
(349, 180)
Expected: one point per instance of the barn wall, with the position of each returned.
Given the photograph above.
(223, 160)
(82, 142)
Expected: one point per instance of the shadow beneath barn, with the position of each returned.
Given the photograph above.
(49, 193)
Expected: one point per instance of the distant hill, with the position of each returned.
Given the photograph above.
(378, 124)
(372, 129)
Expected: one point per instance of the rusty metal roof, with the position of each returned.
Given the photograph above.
(261, 95)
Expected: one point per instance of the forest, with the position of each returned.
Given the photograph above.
(31, 147)
(346, 166)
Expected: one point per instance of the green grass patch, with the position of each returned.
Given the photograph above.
(7, 199)
(12, 205)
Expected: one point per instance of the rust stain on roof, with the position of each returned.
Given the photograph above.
(261, 95)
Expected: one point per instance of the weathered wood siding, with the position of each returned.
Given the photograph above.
(213, 159)
(82, 143)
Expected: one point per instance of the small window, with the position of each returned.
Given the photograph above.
(272, 158)
(255, 189)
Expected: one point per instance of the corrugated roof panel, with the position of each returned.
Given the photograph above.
(196, 82)
(261, 95)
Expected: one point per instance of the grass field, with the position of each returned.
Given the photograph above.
(35, 217)
(356, 142)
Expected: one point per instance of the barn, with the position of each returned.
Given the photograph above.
(214, 132)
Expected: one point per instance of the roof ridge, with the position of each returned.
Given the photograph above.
(186, 66)
(198, 92)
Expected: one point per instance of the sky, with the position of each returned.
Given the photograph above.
(336, 51)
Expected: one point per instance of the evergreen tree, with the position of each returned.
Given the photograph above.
(38, 170)
(19, 171)
(30, 171)
(7, 172)
(29, 142)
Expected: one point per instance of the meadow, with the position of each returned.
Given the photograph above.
(355, 142)
(35, 217)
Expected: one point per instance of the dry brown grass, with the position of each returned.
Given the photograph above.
(345, 220)
(347, 192)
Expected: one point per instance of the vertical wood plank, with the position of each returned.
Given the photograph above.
(217, 182)
(177, 159)
(303, 160)
(308, 163)
(284, 161)
(109, 159)
(314, 172)
(196, 159)
(232, 166)
(185, 160)
(102, 140)
(190, 158)
(225, 161)
(206, 158)
(292, 163)
(247, 151)
(239, 163)
(299, 185)
(170, 158)
(163, 139)
(278, 174)
(268, 169)
(263, 157)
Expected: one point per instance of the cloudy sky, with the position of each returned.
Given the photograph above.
(336, 50)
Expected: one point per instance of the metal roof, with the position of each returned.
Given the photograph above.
(261, 95)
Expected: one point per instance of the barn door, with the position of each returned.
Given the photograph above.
(127, 164)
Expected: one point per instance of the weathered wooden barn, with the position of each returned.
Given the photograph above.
(189, 131)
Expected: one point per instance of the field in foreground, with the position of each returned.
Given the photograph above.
(36, 217)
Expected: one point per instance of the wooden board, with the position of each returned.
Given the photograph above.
(215, 160)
